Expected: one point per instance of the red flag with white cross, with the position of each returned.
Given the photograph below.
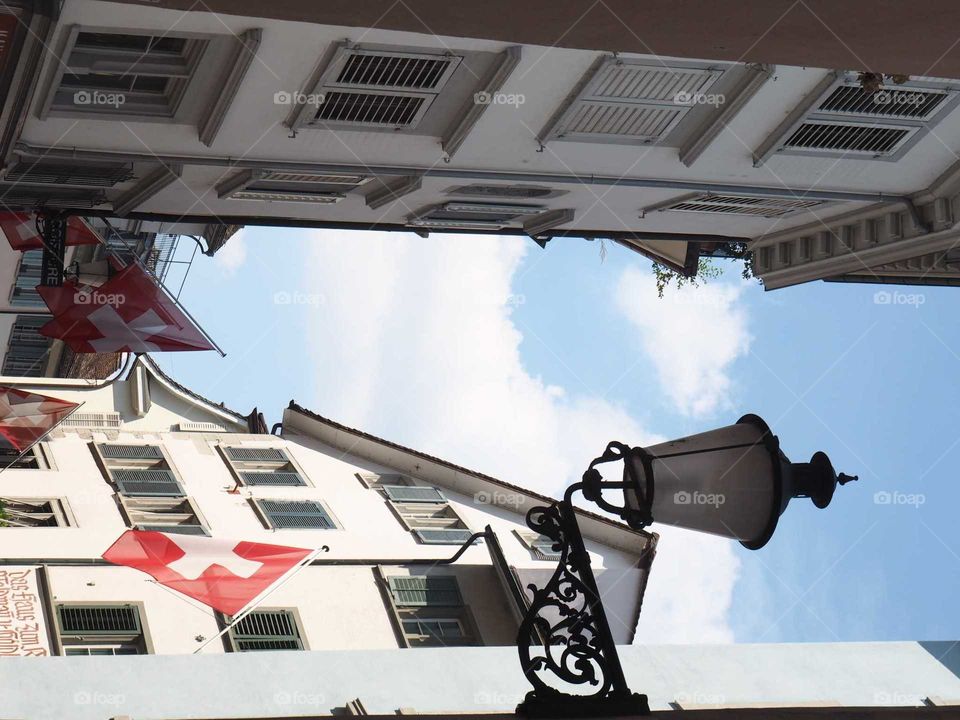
(20, 229)
(226, 575)
(25, 417)
(128, 313)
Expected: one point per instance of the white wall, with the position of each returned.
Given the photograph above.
(340, 607)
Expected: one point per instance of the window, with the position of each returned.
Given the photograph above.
(151, 75)
(33, 512)
(262, 466)
(430, 611)
(757, 205)
(379, 481)
(27, 349)
(432, 523)
(24, 292)
(515, 192)
(126, 74)
(473, 215)
(840, 118)
(36, 458)
(373, 88)
(295, 515)
(628, 101)
(266, 630)
(140, 470)
(74, 174)
(422, 509)
(100, 630)
(540, 546)
(322, 188)
(164, 514)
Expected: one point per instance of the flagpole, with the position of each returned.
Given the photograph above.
(41, 438)
(163, 288)
(252, 605)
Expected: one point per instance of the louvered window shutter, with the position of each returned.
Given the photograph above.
(94, 620)
(267, 630)
(413, 493)
(442, 536)
(298, 514)
(257, 454)
(146, 482)
(131, 452)
(425, 591)
(251, 477)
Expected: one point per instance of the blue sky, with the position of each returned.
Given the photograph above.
(523, 362)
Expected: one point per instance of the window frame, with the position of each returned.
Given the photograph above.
(38, 366)
(141, 640)
(180, 76)
(268, 523)
(107, 465)
(531, 541)
(410, 523)
(236, 467)
(59, 508)
(127, 502)
(323, 82)
(399, 612)
(292, 613)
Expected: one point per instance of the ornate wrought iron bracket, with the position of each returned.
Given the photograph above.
(565, 633)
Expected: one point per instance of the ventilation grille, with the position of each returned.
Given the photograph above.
(742, 205)
(375, 109)
(200, 427)
(407, 72)
(70, 174)
(891, 102)
(87, 419)
(848, 137)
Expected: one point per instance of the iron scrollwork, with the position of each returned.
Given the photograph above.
(565, 632)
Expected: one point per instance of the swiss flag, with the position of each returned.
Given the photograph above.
(128, 313)
(25, 417)
(20, 230)
(224, 574)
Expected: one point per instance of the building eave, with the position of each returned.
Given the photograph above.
(634, 541)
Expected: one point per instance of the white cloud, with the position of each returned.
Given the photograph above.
(416, 343)
(692, 336)
(233, 255)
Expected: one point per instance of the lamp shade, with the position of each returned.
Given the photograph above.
(733, 481)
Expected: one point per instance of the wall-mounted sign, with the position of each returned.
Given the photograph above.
(23, 629)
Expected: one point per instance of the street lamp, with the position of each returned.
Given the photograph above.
(733, 481)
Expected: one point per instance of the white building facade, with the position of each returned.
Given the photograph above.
(170, 115)
(144, 453)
